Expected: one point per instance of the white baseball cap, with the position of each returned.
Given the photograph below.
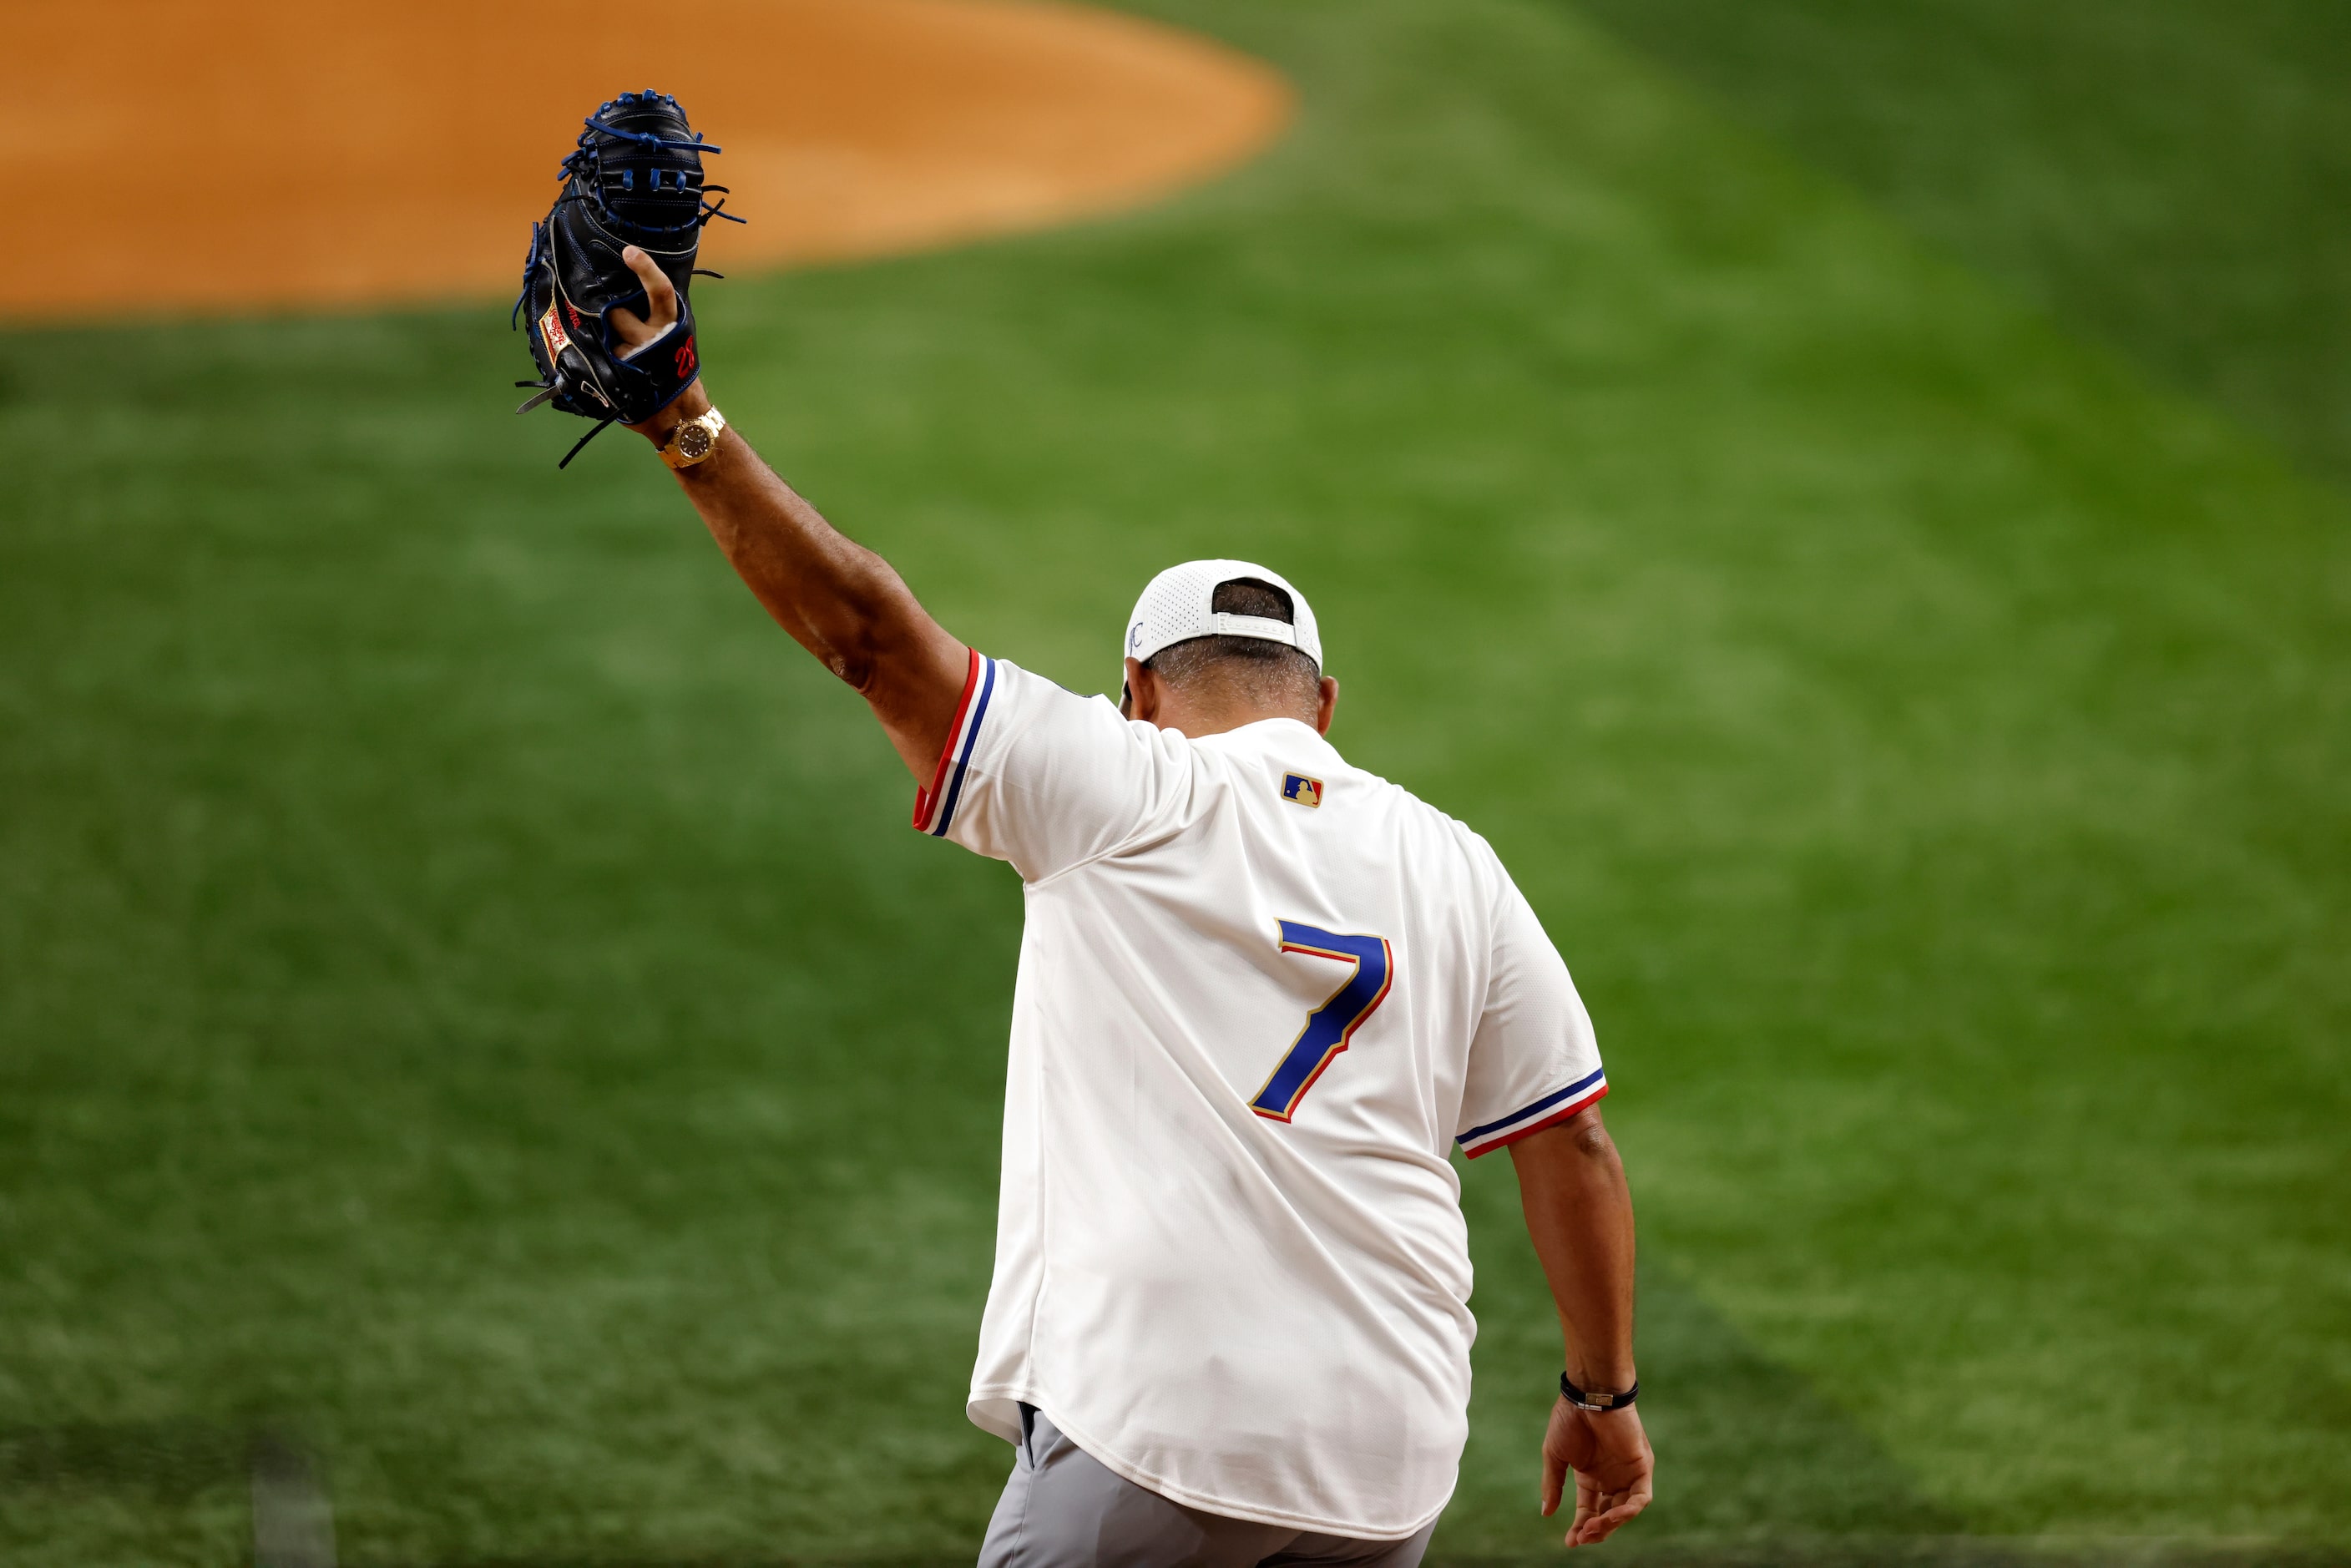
(1177, 607)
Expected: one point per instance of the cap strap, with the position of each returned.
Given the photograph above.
(1221, 624)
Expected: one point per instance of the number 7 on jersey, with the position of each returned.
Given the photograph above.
(1331, 1025)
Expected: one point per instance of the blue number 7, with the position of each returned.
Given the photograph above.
(1331, 1025)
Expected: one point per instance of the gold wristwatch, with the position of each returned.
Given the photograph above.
(693, 439)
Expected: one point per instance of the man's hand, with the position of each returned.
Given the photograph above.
(633, 330)
(636, 331)
(1610, 1457)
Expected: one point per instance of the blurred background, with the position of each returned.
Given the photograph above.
(482, 1059)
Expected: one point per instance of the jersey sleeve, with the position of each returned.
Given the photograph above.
(1534, 1061)
(1047, 780)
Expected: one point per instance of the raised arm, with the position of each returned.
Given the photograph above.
(1580, 1213)
(839, 599)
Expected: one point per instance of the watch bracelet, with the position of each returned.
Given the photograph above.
(1596, 1403)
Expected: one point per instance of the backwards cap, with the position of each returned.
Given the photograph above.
(1176, 608)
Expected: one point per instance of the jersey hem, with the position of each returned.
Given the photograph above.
(1206, 1503)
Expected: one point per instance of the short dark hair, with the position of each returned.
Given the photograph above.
(1269, 674)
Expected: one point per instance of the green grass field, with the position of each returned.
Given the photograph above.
(468, 995)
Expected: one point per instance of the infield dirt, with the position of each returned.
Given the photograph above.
(270, 153)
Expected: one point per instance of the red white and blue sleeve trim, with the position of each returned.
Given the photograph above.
(935, 807)
(1547, 1112)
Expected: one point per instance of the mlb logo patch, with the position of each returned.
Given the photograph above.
(1300, 790)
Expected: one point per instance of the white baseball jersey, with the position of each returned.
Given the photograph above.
(1261, 994)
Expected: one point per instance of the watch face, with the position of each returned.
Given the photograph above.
(694, 439)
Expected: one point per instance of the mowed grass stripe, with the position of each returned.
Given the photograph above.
(480, 995)
(2172, 174)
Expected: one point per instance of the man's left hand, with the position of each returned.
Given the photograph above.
(1609, 1456)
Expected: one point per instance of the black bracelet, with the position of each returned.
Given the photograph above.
(1598, 1403)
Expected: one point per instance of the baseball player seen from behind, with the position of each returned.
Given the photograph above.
(1261, 994)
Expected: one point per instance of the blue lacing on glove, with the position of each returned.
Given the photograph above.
(586, 162)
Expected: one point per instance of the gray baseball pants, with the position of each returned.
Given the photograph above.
(1063, 1508)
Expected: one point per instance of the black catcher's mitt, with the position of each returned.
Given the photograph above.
(635, 178)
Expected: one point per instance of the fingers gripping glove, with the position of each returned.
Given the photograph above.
(635, 178)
